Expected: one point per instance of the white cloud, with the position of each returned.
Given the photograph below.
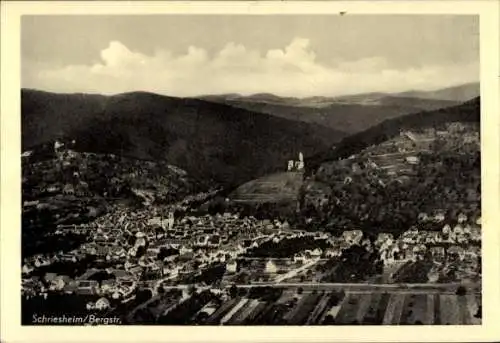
(293, 70)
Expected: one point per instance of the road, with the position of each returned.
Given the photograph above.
(295, 272)
(356, 287)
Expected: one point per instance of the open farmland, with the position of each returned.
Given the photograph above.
(306, 306)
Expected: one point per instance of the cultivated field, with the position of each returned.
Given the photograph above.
(307, 307)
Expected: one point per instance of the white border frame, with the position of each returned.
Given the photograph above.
(11, 330)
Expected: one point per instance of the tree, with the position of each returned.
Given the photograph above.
(461, 291)
(233, 291)
(141, 250)
(191, 290)
(143, 295)
(329, 320)
(479, 313)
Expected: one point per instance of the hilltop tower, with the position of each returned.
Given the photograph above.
(300, 165)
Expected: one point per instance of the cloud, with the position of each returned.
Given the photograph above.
(291, 71)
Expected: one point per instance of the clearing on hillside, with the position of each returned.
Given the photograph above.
(279, 187)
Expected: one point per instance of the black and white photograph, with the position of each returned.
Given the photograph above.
(250, 170)
(215, 170)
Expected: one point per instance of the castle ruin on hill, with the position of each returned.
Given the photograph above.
(296, 165)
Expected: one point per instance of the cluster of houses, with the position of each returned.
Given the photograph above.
(154, 246)
(457, 245)
(149, 245)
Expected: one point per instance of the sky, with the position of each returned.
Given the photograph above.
(288, 55)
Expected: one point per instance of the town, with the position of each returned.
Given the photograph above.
(129, 253)
(164, 257)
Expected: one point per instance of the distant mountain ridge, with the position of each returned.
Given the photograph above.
(349, 113)
(347, 116)
(210, 141)
(457, 93)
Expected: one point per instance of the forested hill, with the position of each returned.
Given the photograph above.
(468, 112)
(212, 142)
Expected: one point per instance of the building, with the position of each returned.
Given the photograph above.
(270, 267)
(87, 287)
(296, 165)
(462, 218)
(412, 160)
(352, 236)
(57, 146)
(232, 266)
(102, 304)
(69, 189)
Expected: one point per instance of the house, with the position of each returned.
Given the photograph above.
(384, 239)
(458, 229)
(475, 234)
(59, 282)
(57, 146)
(108, 285)
(409, 254)
(136, 270)
(87, 287)
(102, 250)
(433, 237)
(202, 240)
(49, 277)
(333, 253)
(316, 253)
(455, 253)
(446, 229)
(41, 261)
(471, 255)
(70, 287)
(27, 268)
(412, 160)
(352, 236)
(27, 153)
(184, 250)
(462, 218)
(232, 266)
(102, 304)
(433, 276)
(68, 189)
(270, 267)
(423, 217)
(439, 217)
(166, 269)
(152, 252)
(68, 258)
(303, 257)
(187, 270)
